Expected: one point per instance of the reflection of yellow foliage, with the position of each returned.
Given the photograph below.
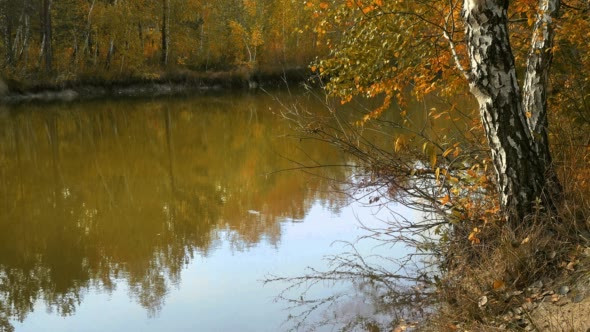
(143, 193)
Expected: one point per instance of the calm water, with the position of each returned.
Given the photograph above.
(161, 215)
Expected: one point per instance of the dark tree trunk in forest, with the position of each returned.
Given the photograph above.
(521, 160)
(7, 31)
(110, 54)
(46, 33)
(140, 34)
(165, 31)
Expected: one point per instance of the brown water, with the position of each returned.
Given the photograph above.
(164, 215)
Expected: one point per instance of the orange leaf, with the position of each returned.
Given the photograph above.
(473, 236)
(498, 284)
(368, 9)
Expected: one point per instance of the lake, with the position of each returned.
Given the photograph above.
(166, 214)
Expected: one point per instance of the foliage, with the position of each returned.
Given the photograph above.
(398, 52)
(385, 47)
(117, 39)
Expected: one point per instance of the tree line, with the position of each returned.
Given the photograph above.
(113, 38)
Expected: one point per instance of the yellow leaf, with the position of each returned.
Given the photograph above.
(433, 159)
(368, 9)
(531, 20)
(398, 144)
(447, 151)
(445, 200)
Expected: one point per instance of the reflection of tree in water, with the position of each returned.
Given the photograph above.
(93, 193)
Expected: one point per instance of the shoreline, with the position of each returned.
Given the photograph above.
(137, 87)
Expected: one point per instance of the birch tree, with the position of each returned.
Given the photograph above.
(515, 122)
(46, 35)
(445, 46)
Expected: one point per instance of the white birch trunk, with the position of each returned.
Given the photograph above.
(536, 84)
(520, 172)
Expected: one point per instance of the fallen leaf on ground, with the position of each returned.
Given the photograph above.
(498, 284)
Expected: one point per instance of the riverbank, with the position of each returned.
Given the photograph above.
(84, 88)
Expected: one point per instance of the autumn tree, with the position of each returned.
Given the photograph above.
(377, 47)
(247, 31)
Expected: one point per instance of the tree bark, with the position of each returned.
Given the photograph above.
(520, 169)
(536, 83)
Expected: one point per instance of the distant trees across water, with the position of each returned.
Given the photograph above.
(68, 39)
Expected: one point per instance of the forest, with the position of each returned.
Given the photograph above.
(57, 41)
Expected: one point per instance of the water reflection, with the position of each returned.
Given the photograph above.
(99, 193)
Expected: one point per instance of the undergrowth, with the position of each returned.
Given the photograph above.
(468, 269)
(486, 279)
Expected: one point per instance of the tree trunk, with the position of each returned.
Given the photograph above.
(74, 58)
(520, 169)
(140, 34)
(110, 54)
(46, 31)
(88, 32)
(7, 31)
(165, 31)
(25, 44)
(535, 86)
